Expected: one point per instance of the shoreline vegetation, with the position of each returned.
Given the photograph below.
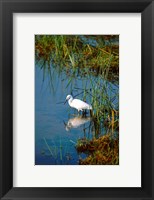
(95, 57)
(101, 151)
(100, 57)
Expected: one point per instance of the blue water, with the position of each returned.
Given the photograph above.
(51, 118)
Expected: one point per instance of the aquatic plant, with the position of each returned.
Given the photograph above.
(56, 150)
(101, 151)
(69, 51)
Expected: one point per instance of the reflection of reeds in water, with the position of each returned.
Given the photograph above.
(51, 153)
(57, 152)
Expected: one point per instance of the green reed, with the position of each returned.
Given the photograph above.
(70, 51)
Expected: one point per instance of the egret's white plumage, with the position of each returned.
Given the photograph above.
(78, 104)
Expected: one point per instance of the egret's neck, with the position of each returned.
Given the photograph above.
(70, 100)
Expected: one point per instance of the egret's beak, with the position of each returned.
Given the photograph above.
(65, 101)
(64, 123)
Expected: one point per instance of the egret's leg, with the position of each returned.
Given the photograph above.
(78, 112)
(91, 113)
(83, 113)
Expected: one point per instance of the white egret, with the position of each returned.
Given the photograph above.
(78, 104)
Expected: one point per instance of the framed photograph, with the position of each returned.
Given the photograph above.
(76, 100)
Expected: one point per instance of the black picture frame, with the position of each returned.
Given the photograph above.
(7, 8)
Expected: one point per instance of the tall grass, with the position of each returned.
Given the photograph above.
(70, 51)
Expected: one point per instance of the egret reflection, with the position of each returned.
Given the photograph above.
(76, 122)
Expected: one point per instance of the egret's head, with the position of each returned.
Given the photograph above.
(68, 97)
